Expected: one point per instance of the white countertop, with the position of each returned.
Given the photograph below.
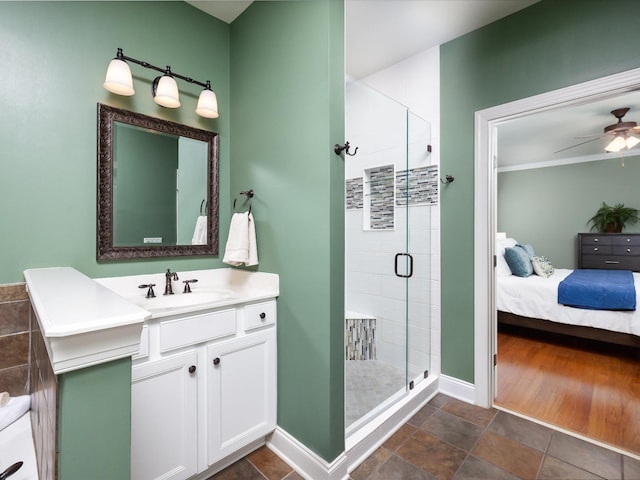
(87, 321)
(69, 303)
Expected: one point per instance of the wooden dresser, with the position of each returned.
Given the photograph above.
(614, 251)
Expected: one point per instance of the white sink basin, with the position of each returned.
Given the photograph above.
(179, 300)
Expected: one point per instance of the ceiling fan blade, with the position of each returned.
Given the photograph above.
(577, 144)
(592, 135)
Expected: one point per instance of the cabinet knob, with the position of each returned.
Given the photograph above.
(192, 369)
(628, 240)
(595, 249)
(628, 250)
(595, 240)
(216, 361)
(263, 315)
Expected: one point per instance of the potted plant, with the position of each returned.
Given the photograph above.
(612, 219)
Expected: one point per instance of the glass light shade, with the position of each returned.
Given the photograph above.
(118, 79)
(207, 104)
(166, 94)
(632, 141)
(616, 144)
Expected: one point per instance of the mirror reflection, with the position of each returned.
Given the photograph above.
(158, 187)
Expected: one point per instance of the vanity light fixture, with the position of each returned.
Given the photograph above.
(163, 88)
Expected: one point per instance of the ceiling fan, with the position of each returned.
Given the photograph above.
(622, 133)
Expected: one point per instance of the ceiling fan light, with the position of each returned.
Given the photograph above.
(632, 141)
(616, 144)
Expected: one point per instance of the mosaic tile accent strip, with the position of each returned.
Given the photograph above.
(422, 186)
(422, 190)
(353, 193)
(381, 216)
(360, 338)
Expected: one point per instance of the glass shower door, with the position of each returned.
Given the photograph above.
(380, 192)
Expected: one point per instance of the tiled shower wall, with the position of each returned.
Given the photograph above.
(14, 339)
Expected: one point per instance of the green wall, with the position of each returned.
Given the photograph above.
(55, 56)
(288, 111)
(547, 46)
(547, 207)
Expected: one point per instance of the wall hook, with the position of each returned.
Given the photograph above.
(340, 148)
(449, 179)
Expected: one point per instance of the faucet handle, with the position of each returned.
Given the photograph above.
(150, 292)
(187, 287)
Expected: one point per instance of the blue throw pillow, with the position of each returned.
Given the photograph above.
(519, 261)
(527, 248)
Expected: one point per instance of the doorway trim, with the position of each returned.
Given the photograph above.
(485, 206)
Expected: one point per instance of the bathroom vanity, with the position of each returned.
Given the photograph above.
(201, 367)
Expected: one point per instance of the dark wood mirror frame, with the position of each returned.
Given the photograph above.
(105, 249)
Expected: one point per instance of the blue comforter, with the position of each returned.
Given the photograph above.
(598, 290)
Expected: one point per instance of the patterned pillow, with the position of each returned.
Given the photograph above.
(519, 261)
(542, 266)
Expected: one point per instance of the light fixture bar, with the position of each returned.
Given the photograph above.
(122, 56)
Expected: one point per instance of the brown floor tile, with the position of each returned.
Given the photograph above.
(453, 430)
(241, 470)
(399, 437)
(432, 455)
(371, 464)
(521, 430)
(472, 413)
(554, 469)
(475, 469)
(420, 417)
(294, 476)
(587, 456)
(269, 464)
(508, 455)
(398, 469)
(439, 400)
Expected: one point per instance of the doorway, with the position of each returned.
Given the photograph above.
(487, 122)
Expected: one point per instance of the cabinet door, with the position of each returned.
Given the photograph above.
(164, 397)
(241, 394)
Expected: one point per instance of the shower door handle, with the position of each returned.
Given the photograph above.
(410, 272)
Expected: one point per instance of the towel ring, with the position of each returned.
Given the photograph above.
(203, 203)
(249, 194)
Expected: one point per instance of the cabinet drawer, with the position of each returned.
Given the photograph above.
(259, 315)
(197, 329)
(625, 250)
(612, 262)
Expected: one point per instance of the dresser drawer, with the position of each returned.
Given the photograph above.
(259, 315)
(597, 249)
(611, 262)
(597, 240)
(625, 250)
(197, 329)
(628, 240)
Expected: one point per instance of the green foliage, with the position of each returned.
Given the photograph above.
(613, 218)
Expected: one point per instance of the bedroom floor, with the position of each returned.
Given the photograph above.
(589, 388)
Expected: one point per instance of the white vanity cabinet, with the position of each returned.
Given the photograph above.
(205, 390)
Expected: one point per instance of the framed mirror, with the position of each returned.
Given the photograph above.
(157, 187)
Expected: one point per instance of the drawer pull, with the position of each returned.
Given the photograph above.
(595, 240)
(628, 250)
(192, 369)
(263, 315)
(628, 240)
(595, 249)
(216, 361)
(611, 262)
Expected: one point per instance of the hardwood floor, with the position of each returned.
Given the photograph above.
(589, 388)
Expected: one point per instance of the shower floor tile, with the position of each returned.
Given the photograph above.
(368, 383)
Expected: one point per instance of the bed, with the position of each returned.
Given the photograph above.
(532, 302)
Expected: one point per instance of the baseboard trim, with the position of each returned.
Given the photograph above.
(360, 445)
(457, 388)
(304, 461)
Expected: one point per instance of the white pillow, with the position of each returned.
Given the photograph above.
(502, 268)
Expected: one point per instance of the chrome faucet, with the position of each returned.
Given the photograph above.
(168, 288)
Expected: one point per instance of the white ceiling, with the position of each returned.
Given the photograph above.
(381, 33)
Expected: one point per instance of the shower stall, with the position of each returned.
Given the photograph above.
(391, 186)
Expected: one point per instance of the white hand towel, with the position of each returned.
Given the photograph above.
(200, 232)
(237, 249)
(252, 257)
(13, 410)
